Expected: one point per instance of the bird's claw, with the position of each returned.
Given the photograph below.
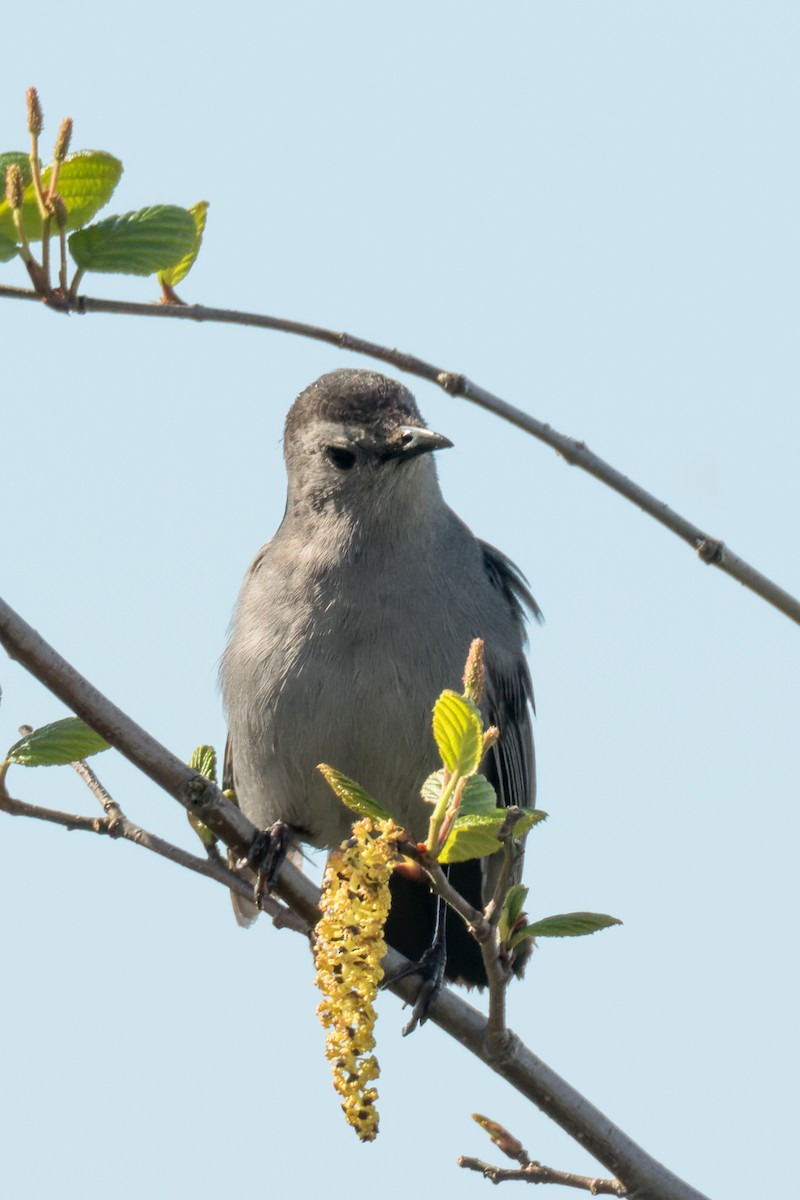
(266, 855)
(431, 967)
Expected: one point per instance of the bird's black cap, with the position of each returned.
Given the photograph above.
(354, 398)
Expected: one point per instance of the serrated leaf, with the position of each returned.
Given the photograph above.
(529, 818)
(172, 276)
(8, 249)
(136, 243)
(458, 730)
(472, 836)
(204, 761)
(475, 834)
(577, 924)
(57, 744)
(86, 182)
(353, 795)
(478, 796)
(431, 789)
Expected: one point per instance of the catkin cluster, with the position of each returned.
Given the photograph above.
(348, 949)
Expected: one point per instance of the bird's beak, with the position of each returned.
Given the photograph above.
(412, 440)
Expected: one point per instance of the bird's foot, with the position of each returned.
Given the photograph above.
(431, 968)
(266, 856)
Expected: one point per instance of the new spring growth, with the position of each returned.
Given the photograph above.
(505, 1141)
(475, 672)
(60, 211)
(474, 683)
(15, 187)
(348, 950)
(35, 118)
(63, 140)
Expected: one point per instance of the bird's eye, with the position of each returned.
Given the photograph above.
(341, 458)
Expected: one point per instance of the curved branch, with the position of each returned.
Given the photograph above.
(642, 1175)
(709, 549)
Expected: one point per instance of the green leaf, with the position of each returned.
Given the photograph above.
(475, 834)
(54, 745)
(458, 730)
(472, 836)
(576, 924)
(86, 182)
(353, 795)
(8, 249)
(431, 789)
(512, 910)
(204, 761)
(137, 243)
(173, 275)
(478, 796)
(529, 818)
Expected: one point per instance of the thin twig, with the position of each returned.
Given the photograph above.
(643, 1175)
(70, 821)
(534, 1172)
(117, 826)
(710, 550)
(494, 909)
(108, 804)
(498, 974)
(498, 971)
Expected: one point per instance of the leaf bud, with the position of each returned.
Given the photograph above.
(60, 212)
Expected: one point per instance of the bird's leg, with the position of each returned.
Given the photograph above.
(266, 854)
(430, 966)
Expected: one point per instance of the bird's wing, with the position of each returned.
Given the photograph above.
(509, 692)
(243, 910)
(227, 765)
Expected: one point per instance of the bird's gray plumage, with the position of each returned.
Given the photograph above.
(358, 612)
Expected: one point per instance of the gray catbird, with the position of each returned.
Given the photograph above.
(348, 625)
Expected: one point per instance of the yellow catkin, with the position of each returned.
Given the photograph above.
(348, 950)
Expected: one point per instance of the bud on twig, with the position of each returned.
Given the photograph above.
(63, 140)
(60, 212)
(490, 736)
(504, 1140)
(15, 186)
(35, 118)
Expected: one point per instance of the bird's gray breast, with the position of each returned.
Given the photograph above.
(341, 662)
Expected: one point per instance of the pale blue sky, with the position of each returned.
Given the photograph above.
(591, 209)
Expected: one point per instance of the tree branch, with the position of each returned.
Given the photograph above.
(644, 1177)
(709, 549)
(534, 1172)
